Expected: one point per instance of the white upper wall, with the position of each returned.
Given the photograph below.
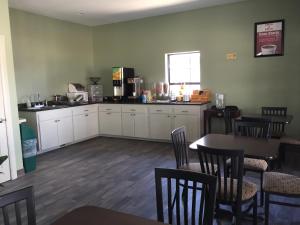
(99, 12)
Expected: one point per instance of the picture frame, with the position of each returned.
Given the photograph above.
(269, 38)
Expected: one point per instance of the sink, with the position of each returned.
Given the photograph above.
(48, 107)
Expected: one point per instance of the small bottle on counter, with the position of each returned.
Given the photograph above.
(28, 103)
(144, 98)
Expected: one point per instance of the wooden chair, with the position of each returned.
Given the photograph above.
(277, 128)
(281, 184)
(232, 190)
(180, 147)
(230, 112)
(194, 206)
(259, 128)
(14, 198)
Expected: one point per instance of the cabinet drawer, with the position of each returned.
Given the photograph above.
(160, 109)
(134, 108)
(110, 107)
(190, 110)
(54, 114)
(78, 110)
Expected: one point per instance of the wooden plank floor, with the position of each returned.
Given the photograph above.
(112, 173)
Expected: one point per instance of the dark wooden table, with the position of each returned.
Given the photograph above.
(277, 119)
(92, 215)
(218, 113)
(254, 147)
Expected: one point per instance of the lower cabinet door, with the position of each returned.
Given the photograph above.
(160, 126)
(128, 124)
(110, 123)
(141, 125)
(191, 123)
(65, 130)
(48, 134)
(80, 128)
(92, 123)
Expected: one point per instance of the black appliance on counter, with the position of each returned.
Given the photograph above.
(121, 87)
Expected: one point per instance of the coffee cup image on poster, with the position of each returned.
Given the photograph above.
(268, 39)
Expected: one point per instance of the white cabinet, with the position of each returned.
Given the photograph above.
(58, 127)
(80, 129)
(160, 121)
(48, 134)
(64, 130)
(163, 119)
(110, 119)
(191, 123)
(160, 126)
(141, 125)
(92, 122)
(55, 128)
(188, 116)
(85, 120)
(128, 124)
(135, 121)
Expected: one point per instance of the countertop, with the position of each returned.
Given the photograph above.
(24, 109)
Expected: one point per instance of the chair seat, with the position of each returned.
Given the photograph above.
(249, 190)
(281, 183)
(195, 167)
(253, 164)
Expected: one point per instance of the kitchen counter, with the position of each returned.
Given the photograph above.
(24, 109)
(149, 121)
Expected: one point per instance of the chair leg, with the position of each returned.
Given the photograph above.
(255, 210)
(261, 189)
(267, 197)
(238, 216)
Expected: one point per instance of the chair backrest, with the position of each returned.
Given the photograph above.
(14, 199)
(273, 111)
(188, 197)
(228, 166)
(252, 127)
(277, 128)
(230, 112)
(178, 137)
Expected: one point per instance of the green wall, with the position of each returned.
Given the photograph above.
(247, 82)
(5, 30)
(49, 53)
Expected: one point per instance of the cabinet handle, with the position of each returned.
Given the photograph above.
(108, 113)
(132, 110)
(174, 116)
(86, 114)
(107, 109)
(158, 110)
(184, 111)
(132, 114)
(168, 116)
(86, 110)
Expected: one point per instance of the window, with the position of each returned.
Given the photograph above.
(183, 68)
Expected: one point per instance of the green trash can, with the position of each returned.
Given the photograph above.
(29, 147)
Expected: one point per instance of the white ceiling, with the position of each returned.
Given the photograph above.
(98, 12)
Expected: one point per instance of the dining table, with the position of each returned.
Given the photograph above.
(93, 215)
(258, 148)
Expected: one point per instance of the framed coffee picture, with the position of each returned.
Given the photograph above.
(269, 38)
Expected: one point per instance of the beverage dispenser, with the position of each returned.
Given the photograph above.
(120, 81)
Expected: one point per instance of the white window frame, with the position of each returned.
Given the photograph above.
(167, 69)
